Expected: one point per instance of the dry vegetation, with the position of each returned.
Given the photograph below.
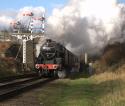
(7, 61)
(114, 84)
(112, 58)
(111, 67)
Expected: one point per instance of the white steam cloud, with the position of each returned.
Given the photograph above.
(10, 17)
(81, 24)
(87, 24)
(5, 22)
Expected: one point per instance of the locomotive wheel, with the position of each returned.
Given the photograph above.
(62, 73)
(55, 74)
(39, 73)
(50, 74)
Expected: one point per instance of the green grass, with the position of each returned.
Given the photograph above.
(82, 92)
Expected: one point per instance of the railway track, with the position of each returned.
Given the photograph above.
(12, 88)
(10, 78)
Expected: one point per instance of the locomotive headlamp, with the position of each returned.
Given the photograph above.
(37, 66)
(55, 66)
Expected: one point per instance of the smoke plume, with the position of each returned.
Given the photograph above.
(87, 25)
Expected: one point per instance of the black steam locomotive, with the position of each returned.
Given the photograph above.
(54, 59)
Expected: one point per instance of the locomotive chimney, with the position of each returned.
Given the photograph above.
(48, 40)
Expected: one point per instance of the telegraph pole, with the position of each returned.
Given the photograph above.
(24, 37)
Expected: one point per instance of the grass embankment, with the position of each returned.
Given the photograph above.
(106, 89)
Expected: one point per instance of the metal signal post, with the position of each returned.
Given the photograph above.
(28, 36)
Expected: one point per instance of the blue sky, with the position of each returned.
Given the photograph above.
(17, 4)
(47, 4)
(122, 1)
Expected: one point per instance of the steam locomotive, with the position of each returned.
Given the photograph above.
(55, 60)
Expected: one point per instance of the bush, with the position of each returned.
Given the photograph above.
(113, 54)
(7, 67)
(112, 58)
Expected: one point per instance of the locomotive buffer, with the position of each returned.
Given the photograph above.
(26, 33)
